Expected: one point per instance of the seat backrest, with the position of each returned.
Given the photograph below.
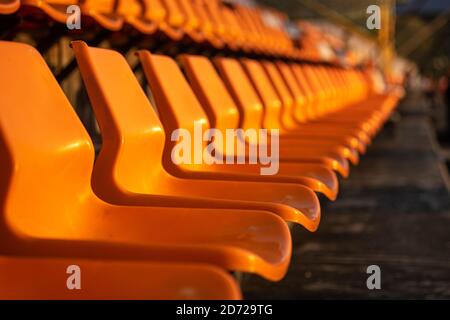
(299, 112)
(175, 17)
(283, 92)
(130, 9)
(220, 108)
(154, 10)
(215, 99)
(239, 85)
(177, 105)
(213, 8)
(46, 155)
(192, 20)
(55, 9)
(104, 12)
(133, 137)
(266, 92)
(310, 77)
(304, 83)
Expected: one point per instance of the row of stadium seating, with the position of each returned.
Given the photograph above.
(136, 223)
(209, 23)
(140, 226)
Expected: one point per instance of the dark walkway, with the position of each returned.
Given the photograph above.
(393, 211)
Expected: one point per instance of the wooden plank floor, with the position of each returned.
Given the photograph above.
(393, 211)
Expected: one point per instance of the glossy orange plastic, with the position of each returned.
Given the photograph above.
(223, 114)
(124, 177)
(233, 33)
(251, 109)
(356, 110)
(135, 14)
(298, 112)
(55, 9)
(218, 23)
(166, 15)
(287, 123)
(48, 206)
(273, 112)
(206, 24)
(9, 6)
(102, 11)
(300, 204)
(173, 19)
(46, 278)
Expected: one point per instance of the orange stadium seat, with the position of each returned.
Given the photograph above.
(138, 15)
(291, 202)
(301, 125)
(287, 123)
(177, 144)
(223, 114)
(9, 6)
(59, 214)
(182, 110)
(272, 114)
(252, 112)
(113, 279)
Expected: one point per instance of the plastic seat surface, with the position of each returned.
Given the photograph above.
(223, 114)
(9, 6)
(298, 116)
(55, 9)
(273, 113)
(251, 109)
(120, 175)
(112, 279)
(134, 13)
(308, 78)
(287, 122)
(172, 25)
(48, 206)
(102, 11)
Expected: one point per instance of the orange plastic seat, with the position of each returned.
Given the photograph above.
(45, 278)
(9, 6)
(130, 168)
(103, 12)
(223, 114)
(369, 110)
(179, 108)
(135, 13)
(233, 34)
(252, 112)
(358, 109)
(191, 23)
(272, 115)
(166, 16)
(48, 206)
(55, 9)
(289, 125)
(218, 23)
(249, 30)
(298, 113)
(318, 97)
(206, 23)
